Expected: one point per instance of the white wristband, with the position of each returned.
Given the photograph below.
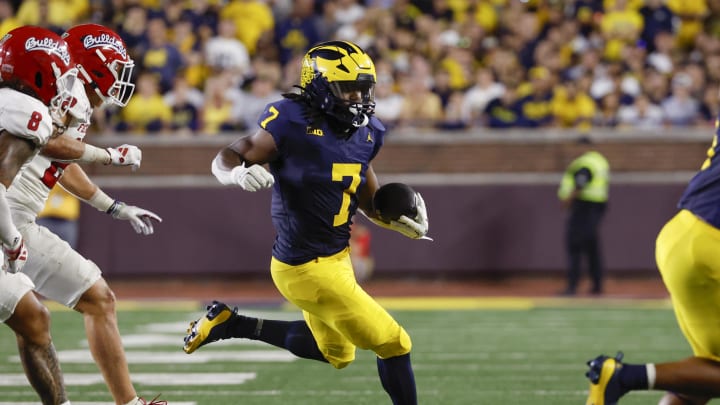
(93, 154)
(224, 176)
(101, 201)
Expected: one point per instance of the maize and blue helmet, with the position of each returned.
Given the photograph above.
(333, 69)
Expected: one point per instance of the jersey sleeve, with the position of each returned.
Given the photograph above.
(25, 117)
(280, 119)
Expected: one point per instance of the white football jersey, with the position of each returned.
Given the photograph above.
(31, 187)
(24, 116)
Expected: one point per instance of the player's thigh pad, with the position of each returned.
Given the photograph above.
(687, 256)
(59, 272)
(338, 311)
(12, 288)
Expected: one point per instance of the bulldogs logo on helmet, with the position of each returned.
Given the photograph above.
(332, 69)
(103, 61)
(38, 60)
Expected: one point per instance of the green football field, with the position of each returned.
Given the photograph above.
(466, 351)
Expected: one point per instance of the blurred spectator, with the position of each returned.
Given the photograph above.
(59, 14)
(477, 97)
(691, 15)
(421, 107)
(607, 113)
(504, 111)
(536, 98)
(217, 110)
(253, 19)
(262, 90)
(388, 101)
(298, 32)
(160, 55)
(186, 102)
(452, 113)
(132, 23)
(655, 85)
(709, 109)
(657, 17)
(146, 111)
(642, 114)
(620, 25)
(680, 108)
(8, 20)
(660, 58)
(572, 108)
(224, 52)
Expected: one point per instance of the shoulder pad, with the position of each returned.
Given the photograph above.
(24, 116)
(376, 124)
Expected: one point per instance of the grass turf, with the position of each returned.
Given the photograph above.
(499, 352)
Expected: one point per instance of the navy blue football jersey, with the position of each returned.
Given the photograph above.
(702, 195)
(317, 178)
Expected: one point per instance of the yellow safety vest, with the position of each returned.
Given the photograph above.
(597, 189)
(61, 204)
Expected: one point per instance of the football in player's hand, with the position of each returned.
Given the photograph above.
(393, 200)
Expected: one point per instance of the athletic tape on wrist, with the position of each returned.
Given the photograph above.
(101, 201)
(93, 154)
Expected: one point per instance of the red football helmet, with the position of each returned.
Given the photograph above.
(103, 61)
(38, 60)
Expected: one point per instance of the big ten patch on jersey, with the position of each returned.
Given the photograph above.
(25, 116)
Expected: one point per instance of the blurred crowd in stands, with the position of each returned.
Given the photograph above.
(208, 66)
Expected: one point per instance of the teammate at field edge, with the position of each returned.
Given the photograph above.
(686, 253)
(59, 272)
(319, 145)
(38, 88)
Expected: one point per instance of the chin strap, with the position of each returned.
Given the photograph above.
(360, 120)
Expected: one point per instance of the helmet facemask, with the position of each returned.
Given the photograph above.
(361, 109)
(66, 97)
(121, 89)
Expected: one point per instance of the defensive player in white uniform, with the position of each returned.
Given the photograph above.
(38, 85)
(59, 272)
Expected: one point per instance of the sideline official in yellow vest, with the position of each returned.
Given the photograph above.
(584, 191)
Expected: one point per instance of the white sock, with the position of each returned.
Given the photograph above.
(66, 403)
(133, 401)
(650, 368)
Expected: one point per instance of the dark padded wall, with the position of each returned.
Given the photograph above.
(477, 230)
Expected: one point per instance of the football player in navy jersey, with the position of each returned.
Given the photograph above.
(319, 144)
(687, 254)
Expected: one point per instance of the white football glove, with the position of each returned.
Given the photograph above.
(14, 258)
(125, 155)
(140, 219)
(413, 228)
(252, 178)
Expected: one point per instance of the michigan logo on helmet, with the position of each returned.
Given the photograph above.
(341, 77)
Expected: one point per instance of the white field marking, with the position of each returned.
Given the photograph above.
(171, 379)
(143, 357)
